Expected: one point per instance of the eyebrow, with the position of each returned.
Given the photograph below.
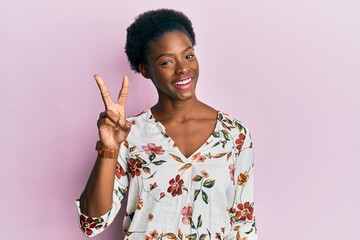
(169, 54)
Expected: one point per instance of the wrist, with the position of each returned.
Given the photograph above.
(105, 152)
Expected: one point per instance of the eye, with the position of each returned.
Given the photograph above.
(165, 63)
(189, 56)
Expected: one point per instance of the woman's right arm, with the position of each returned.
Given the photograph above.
(97, 197)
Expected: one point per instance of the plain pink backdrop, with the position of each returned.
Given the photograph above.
(289, 70)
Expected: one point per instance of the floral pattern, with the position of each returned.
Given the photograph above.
(240, 141)
(152, 235)
(151, 148)
(187, 214)
(175, 186)
(119, 171)
(244, 211)
(88, 224)
(198, 157)
(243, 178)
(174, 197)
(134, 168)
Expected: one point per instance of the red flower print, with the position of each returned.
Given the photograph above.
(240, 141)
(134, 167)
(87, 224)
(119, 171)
(152, 235)
(175, 186)
(152, 148)
(232, 171)
(150, 217)
(245, 211)
(187, 213)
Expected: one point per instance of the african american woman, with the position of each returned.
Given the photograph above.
(186, 167)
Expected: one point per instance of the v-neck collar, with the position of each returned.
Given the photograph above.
(162, 129)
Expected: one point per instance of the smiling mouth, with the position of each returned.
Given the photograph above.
(183, 82)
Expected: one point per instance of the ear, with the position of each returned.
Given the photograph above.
(144, 71)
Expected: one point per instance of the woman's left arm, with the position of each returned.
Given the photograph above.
(242, 211)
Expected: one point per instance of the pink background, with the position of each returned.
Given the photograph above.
(289, 70)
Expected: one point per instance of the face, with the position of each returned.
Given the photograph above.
(172, 66)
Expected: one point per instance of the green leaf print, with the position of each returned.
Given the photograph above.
(122, 191)
(140, 160)
(146, 169)
(191, 236)
(216, 134)
(240, 127)
(192, 223)
(215, 144)
(159, 162)
(199, 223)
(152, 156)
(209, 183)
(224, 125)
(226, 135)
(220, 117)
(203, 236)
(197, 191)
(205, 197)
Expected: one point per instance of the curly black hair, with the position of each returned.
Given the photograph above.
(150, 26)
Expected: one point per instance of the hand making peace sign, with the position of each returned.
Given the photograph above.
(112, 124)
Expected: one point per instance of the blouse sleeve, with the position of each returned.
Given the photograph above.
(242, 211)
(92, 226)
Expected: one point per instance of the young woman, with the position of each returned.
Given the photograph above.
(186, 167)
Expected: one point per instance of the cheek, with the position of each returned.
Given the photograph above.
(160, 78)
(195, 64)
(164, 73)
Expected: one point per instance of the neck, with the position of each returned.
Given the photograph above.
(176, 109)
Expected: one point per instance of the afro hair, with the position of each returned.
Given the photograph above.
(150, 26)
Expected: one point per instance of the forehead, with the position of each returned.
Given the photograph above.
(170, 43)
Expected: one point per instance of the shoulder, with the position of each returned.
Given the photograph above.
(237, 130)
(141, 117)
(232, 124)
(143, 125)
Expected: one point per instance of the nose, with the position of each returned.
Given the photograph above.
(181, 67)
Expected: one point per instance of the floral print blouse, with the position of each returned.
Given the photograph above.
(208, 195)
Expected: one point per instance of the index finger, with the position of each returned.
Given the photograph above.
(104, 91)
(123, 91)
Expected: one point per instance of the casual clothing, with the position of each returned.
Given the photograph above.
(208, 195)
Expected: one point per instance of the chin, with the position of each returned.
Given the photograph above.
(187, 97)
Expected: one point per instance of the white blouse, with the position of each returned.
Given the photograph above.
(208, 195)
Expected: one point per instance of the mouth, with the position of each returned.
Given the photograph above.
(183, 81)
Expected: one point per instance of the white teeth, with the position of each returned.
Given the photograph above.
(183, 82)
